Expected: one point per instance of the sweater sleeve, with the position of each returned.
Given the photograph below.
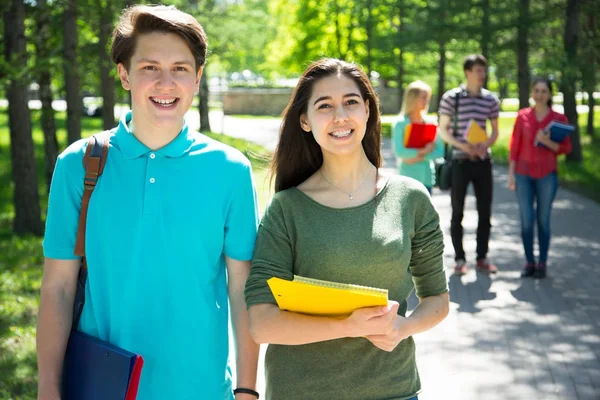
(427, 247)
(516, 139)
(273, 256)
(398, 140)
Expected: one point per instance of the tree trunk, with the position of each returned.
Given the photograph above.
(441, 70)
(591, 104)
(106, 80)
(338, 30)
(486, 33)
(590, 67)
(203, 106)
(369, 29)
(44, 80)
(570, 75)
(400, 70)
(502, 83)
(523, 53)
(71, 71)
(24, 173)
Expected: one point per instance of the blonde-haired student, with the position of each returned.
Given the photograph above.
(416, 163)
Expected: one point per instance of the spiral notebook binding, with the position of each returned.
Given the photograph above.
(336, 285)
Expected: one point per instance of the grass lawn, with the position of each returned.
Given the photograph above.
(21, 259)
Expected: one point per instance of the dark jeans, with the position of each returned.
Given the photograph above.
(480, 174)
(542, 192)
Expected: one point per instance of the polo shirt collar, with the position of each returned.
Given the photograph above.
(131, 147)
(465, 92)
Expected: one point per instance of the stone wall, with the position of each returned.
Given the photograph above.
(273, 101)
(256, 101)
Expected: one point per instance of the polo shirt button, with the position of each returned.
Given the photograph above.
(152, 156)
(152, 180)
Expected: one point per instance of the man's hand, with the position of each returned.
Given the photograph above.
(471, 149)
(482, 149)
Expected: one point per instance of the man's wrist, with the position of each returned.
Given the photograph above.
(48, 393)
(247, 392)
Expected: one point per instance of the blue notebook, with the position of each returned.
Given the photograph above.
(558, 131)
(97, 370)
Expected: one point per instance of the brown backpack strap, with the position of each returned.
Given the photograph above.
(93, 162)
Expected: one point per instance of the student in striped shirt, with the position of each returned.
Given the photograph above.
(471, 162)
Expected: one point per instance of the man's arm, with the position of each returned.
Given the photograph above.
(246, 350)
(490, 142)
(54, 323)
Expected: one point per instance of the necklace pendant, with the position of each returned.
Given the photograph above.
(351, 196)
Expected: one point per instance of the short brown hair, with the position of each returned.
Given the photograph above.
(298, 155)
(140, 19)
(474, 59)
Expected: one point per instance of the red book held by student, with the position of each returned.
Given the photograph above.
(417, 135)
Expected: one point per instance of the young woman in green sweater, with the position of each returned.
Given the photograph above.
(416, 163)
(336, 217)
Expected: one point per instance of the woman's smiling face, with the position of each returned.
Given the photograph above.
(336, 115)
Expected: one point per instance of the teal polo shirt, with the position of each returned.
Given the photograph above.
(159, 225)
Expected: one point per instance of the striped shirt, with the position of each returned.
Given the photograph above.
(479, 108)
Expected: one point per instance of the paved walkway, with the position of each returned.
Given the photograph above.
(505, 337)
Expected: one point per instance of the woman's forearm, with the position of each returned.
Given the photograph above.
(268, 324)
(430, 312)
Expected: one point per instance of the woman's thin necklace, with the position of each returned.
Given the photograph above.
(350, 195)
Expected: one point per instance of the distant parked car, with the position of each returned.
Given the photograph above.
(92, 106)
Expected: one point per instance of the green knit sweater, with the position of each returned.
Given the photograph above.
(393, 241)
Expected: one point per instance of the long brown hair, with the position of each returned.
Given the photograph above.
(298, 155)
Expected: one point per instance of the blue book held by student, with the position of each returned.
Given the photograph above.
(97, 370)
(558, 132)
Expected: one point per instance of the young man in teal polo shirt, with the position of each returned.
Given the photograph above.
(170, 229)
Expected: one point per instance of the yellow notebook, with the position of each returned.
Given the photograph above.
(318, 297)
(474, 133)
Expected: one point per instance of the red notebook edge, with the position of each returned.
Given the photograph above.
(425, 133)
(134, 381)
